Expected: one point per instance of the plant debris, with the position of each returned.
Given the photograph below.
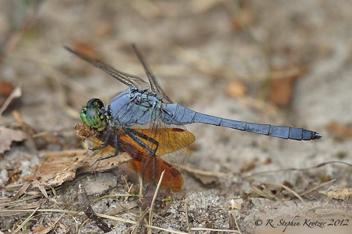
(88, 210)
(7, 136)
(339, 194)
(59, 167)
(281, 88)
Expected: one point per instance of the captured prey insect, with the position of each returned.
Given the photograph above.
(145, 117)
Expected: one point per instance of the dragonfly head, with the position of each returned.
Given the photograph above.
(93, 114)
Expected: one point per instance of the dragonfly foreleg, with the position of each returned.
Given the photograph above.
(116, 145)
(106, 142)
(145, 137)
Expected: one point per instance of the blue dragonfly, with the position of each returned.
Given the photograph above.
(145, 118)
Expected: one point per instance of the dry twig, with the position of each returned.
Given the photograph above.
(86, 207)
(186, 213)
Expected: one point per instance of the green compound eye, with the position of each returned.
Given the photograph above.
(83, 115)
(91, 114)
(96, 102)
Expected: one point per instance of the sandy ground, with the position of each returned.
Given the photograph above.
(197, 49)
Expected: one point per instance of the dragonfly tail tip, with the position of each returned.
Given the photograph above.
(317, 135)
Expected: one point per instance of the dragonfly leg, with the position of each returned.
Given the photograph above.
(141, 143)
(106, 142)
(157, 145)
(116, 145)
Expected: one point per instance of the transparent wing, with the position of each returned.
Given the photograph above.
(154, 85)
(129, 80)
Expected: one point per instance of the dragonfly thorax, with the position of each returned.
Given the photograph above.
(135, 106)
(144, 98)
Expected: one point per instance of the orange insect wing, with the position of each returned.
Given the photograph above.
(172, 178)
(142, 161)
(169, 139)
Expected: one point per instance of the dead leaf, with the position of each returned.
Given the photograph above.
(236, 89)
(250, 166)
(236, 204)
(209, 224)
(39, 228)
(7, 136)
(267, 161)
(6, 89)
(54, 171)
(281, 86)
(281, 91)
(340, 129)
(244, 19)
(205, 180)
(13, 175)
(103, 28)
(61, 166)
(324, 178)
(339, 194)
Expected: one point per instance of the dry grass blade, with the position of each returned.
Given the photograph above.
(186, 213)
(103, 216)
(121, 208)
(140, 180)
(22, 190)
(127, 195)
(238, 228)
(129, 189)
(297, 169)
(261, 193)
(11, 212)
(140, 220)
(22, 200)
(154, 197)
(37, 184)
(15, 94)
(49, 229)
(205, 173)
(145, 225)
(288, 189)
(317, 187)
(26, 220)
